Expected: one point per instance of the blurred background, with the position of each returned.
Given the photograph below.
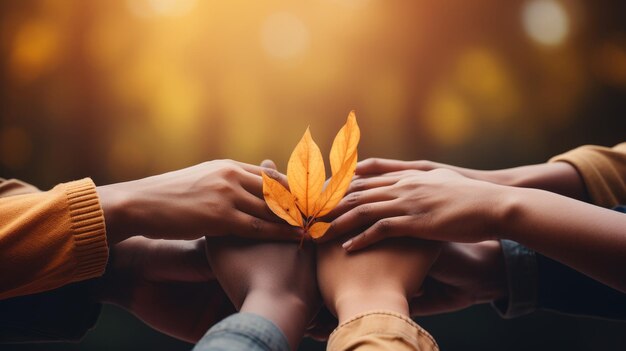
(122, 89)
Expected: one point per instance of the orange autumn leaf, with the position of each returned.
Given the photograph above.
(336, 188)
(308, 200)
(345, 143)
(306, 173)
(318, 229)
(280, 201)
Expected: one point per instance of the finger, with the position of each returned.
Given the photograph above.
(268, 164)
(437, 298)
(247, 226)
(179, 261)
(380, 165)
(252, 183)
(256, 207)
(366, 183)
(361, 216)
(358, 198)
(254, 169)
(270, 169)
(383, 228)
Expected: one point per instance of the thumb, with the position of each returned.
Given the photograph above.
(268, 164)
(270, 170)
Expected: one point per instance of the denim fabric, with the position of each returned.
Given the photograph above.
(538, 282)
(243, 331)
(521, 273)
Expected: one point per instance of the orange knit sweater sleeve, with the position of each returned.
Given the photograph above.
(49, 239)
(603, 170)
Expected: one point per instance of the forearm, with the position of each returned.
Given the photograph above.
(288, 313)
(587, 238)
(557, 177)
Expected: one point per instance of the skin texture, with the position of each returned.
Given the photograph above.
(383, 277)
(557, 177)
(463, 275)
(173, 275)
(437, 205)
(216, 198)
(444, 205)
(275, 280)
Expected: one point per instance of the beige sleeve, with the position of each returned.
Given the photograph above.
(381, 330)
(603, 171)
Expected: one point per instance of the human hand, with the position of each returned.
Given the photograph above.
(435, 205)
(383, 277)
(557, 177)
(275, 280)
(463, 275)
(167, 284)
(216, 198)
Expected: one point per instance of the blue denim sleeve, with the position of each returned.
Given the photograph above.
(243, 331)
(521, 273)
(538, 282)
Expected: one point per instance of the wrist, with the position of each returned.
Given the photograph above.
(115, 206)
(288, 312)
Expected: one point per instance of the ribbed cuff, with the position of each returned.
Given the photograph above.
(522, 277)
(88, 228)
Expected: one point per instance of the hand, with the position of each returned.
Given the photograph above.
(435, 205)
(462, 276)
(216, 198)
(167, 284)
(383, 277)
(274, 280)
(557, 177)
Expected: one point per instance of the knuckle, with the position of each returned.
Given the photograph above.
(383, 226)
(272, 173)
(357, 185)
(256, 225)
(230, 171)
(223, 186)
(374, 162)
(353, 198)
(363, 211)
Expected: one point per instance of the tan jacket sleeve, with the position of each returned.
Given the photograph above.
(381, 330)
(603, 171)
(49, 239)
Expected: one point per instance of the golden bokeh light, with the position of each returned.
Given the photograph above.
(483, 77)
(448, 117)
(545, 21)
(284, 36)
(166, 8)
(35, 49)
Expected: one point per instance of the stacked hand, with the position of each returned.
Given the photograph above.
(166, 283)
(216, 198)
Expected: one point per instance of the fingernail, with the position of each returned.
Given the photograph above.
(347, 244)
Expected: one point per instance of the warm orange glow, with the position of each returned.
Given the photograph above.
(151, 85)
